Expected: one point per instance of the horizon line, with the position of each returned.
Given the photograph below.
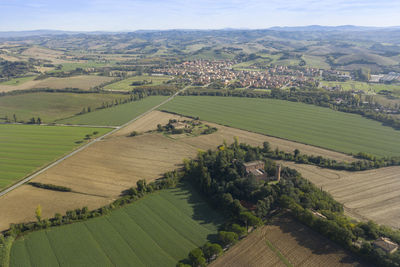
(204, 29)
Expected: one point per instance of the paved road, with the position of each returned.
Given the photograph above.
(27, 179)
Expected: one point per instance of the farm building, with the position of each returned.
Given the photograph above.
(256, 168)
(253, 165)
(180, 125)
(386, 244)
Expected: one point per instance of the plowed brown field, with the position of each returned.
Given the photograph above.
(84, 82)
(297, 243)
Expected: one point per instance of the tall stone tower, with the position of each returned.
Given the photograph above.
(278, 172)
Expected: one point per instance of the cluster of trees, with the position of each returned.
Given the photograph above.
(221, 178)
(202, 256)
(116, 102)
(33, 121)
(62, 74)
(369, 162)
(14, 119)
(165, 89)
(5, 249)
(190, 126)
(229, 235)
(51, 187)
(13, 69)
(144, 82)
(48, 90)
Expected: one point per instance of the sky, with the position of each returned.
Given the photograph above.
(128, 15)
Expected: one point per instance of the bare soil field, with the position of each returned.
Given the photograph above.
(251, 251)
(84, 82)
(19, 205)
(23, 86)
(9, 58)
(56, 57)
(372, 194)
(297, 243)
(148, 122)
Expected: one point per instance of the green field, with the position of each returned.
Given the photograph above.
(299, 122)
(158, 230)
(18, 81)
(117, 115)
(125, 85)
(89, 64)
(316, 62)
(25, 148)
(51, 106)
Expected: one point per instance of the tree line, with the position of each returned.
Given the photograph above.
(367, 161)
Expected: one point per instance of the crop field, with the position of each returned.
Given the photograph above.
(299, 122)
(116, 115)
(38, 52)
(68, 66)
(286, 243)
(367, 195)
(83, 82)
(148, 123)
(51, 106)
(158, 230)
(125, 85)
(18, 81)
(98, 174)
(316, 61)
(25, 148)
(23, 85)
(383, 100)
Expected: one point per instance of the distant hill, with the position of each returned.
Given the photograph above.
(310, 28)
(325, 28)
(18, 34)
